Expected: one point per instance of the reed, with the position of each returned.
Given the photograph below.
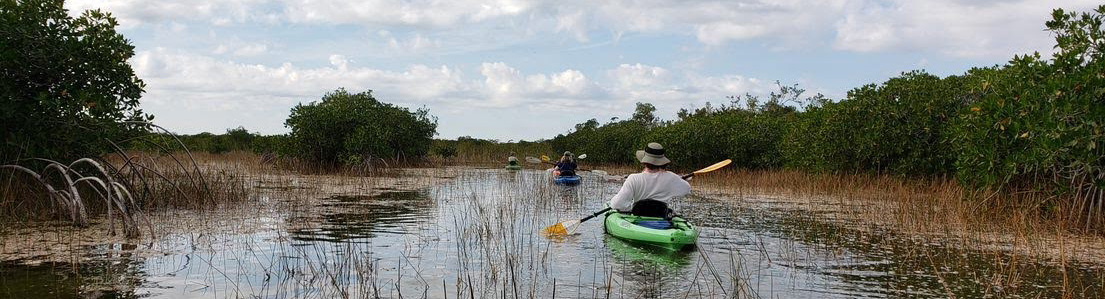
(932, 208)
(122, 186)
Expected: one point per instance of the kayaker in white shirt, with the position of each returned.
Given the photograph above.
(512, 160)
(647, 193)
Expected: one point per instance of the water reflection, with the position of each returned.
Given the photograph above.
(645, 268)
(109, 278)
(358, 218)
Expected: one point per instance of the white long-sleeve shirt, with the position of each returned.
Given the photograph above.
(662, 186)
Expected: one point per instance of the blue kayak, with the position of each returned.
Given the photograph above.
(568, 180)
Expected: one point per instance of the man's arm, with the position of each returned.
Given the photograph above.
(623, 201)
(683, 187)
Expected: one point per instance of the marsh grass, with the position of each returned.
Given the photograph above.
(122, 186)
(935, 209)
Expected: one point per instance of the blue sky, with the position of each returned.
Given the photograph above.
(529, 69)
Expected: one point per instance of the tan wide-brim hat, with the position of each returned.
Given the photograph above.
(653, 154)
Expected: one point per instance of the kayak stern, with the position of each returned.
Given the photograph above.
(623, 226)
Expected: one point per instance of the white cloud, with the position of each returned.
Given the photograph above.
(251, 50)
(417, 43)
(136, 12)
(949, 27)
(168, 70)
(182, 87)
(720, 33)
(414, 13)
(630, 76)
(506, 86)
(574, 23)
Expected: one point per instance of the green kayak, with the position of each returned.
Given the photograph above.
(624, 226)
(514, 167)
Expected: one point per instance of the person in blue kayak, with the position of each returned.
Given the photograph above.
(647, 193)
(512, 160)
(566, 166)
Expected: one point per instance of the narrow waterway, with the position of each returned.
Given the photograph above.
(477, 236)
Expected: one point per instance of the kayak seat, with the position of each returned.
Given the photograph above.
(652, 208)
(655, 224)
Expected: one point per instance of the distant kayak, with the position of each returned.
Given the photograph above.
(513, 167)
(676, 236)
(568, 180)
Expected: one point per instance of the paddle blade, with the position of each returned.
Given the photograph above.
(544, 158)
(583, 156)
(716, 166)
(533, 160)
(561, 229)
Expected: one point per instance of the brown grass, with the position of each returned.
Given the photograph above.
(120, 187)
(934, 209)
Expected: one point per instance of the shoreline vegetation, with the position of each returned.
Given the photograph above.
(1008, 158)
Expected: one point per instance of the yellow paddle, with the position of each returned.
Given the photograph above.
(710, 168)
(566, 227)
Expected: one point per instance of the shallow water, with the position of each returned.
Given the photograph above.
(477, 236)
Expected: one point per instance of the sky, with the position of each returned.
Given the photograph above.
(531, 69)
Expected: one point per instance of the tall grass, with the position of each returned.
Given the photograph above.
(122, 186)
(937, 207)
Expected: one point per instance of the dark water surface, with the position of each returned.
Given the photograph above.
(476, 236)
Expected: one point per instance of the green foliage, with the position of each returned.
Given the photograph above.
(613, 142)
(65, 82)
(750, 135)
(445, 150)
(238, 139)
(271, 144)
(348, 128)
(470, 149)
(1041, 124)
(898, 126)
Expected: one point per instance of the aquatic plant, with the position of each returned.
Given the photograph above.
(62, 183)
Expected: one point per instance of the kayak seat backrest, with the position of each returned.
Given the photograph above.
(652, 208)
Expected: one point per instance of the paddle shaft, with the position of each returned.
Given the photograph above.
(593, 215)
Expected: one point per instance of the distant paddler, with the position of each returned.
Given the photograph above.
(512, 162)
(566, 166)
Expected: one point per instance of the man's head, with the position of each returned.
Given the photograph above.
(653, 155)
